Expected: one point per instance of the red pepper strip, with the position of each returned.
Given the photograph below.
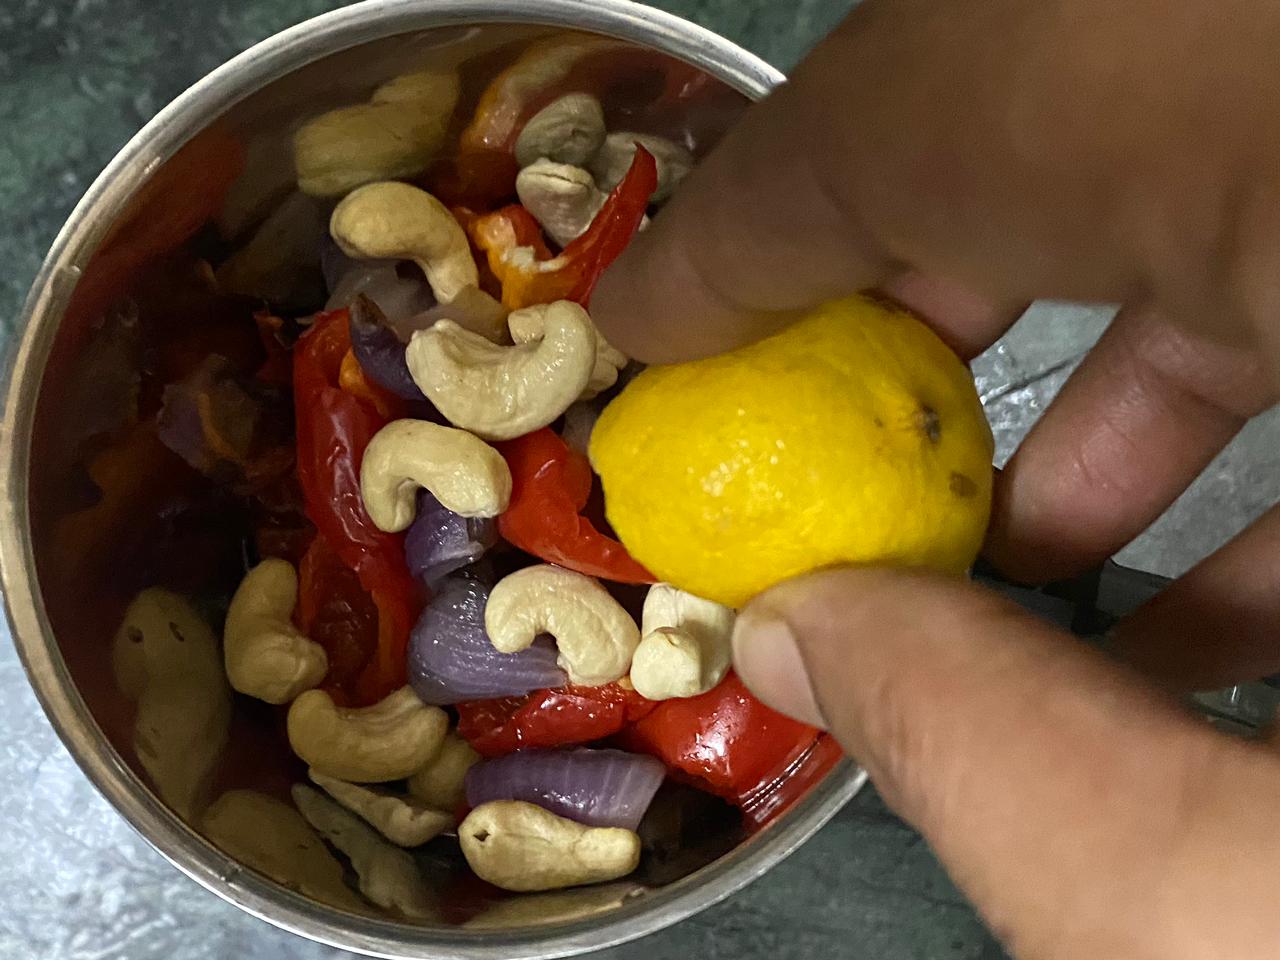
(336, 612)
(334, 427)
(574, 273)
(729, 743)
(352, 380)
(550, 484)
(549, 718)
(467, 218)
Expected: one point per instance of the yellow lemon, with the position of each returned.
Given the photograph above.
(853, 437)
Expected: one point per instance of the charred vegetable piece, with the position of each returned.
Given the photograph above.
(567, 716)
(550, 486)
(451, 659)
(334, 427)
(599, 788)
(729, 743)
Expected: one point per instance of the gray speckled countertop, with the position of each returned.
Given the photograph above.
(77, 78)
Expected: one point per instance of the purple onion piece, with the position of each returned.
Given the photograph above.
(471, 309)
(380, 280)
(183, 428)
(441, 542)
(599, 788)
(334, 264)
(452, 661)
(379, 351)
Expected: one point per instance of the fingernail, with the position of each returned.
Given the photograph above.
(767, 658)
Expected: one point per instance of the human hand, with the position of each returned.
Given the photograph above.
(968, 158)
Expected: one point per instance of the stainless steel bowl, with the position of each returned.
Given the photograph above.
(257, 98)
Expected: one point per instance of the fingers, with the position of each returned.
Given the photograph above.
(852, 174)
(967, 321)
(1142, 416)
(752, 236)
(1219, 624)
(1085, 816)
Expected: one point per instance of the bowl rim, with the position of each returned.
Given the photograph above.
(24, 363)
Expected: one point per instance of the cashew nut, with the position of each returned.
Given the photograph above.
(613, 161)
(529, 324)
(596, 637)
(562, 198)
(521, 847)
(685, 646)
(568, 130)
(342, 149)
(387, 875)
(535, 909)
(387, 741)
(271, 837)
(502, 392)
(463, 472)
(434, 91)
(165, 658)
(396, 221)
(440, 783)
(265, 655)
(405, 821)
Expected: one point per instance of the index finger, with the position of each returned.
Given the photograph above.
(894, 151)
(754, 237)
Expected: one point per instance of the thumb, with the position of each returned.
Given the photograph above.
(1084, 814)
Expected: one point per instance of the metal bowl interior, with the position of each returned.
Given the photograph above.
(65, 596)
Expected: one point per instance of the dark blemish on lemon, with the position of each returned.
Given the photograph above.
(963, 486)
(177, 634)
(878, 422)
(134, 634)
(930, 423)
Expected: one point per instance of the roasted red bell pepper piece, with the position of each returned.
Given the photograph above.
(550, 484)
(334, 427)
(730, 744)
(808, 770)
(565, 716)
(506, 229)
(528, 278)
(336, 612)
